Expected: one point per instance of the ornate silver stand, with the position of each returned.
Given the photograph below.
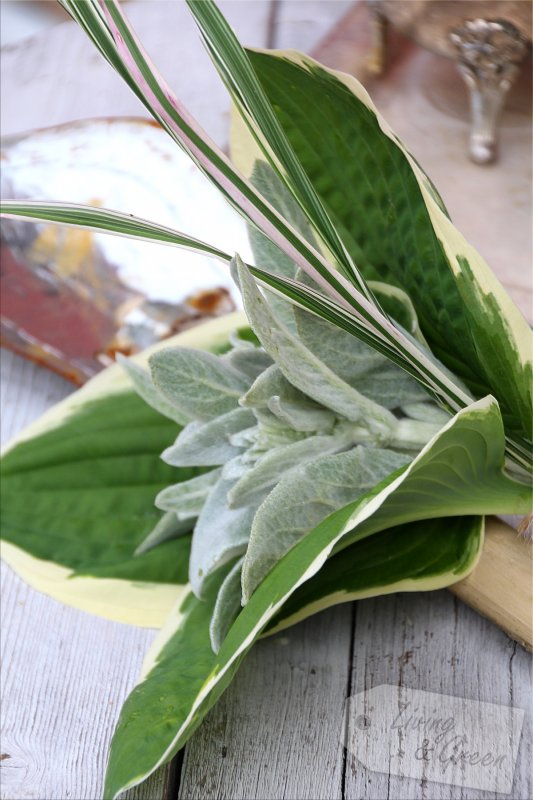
(489, 56)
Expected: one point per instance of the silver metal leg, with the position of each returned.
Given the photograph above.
(490, 52)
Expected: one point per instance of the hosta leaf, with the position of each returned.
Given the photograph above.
(187, 498)
(418, 556)
(208, 444)
(78, 489)
(220, 535)
(227, 606)
(270, 468)
(151, 732)
(199, 384)
(306, 496)
(303, 369)
(395, 226)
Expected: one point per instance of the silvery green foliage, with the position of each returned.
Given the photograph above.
(248, 360)
(206, 444)
(145, 388)
(266, 253)
(375, 376)
(197, 383)
(290, 439)
(227, 606)
(425, 412)
(302, 368)
(220, 534)
(169, 527)
(186, 499)
(256, 483)
(304, 497)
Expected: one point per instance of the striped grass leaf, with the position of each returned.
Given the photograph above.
(396, 227)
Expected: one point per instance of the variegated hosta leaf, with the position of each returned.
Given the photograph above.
(207, 444)
(474, 447)
(181, 669)
(303, 369)
(306, 496)
(418, 556)
(199, 384)
(220, 535)
(269, 469)
(394, 223)
(78, 489)
(227, 606)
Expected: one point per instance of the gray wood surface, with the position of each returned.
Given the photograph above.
(277, 731)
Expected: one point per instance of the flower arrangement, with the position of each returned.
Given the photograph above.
(346, 437)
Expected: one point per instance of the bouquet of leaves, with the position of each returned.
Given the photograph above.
(343, 439)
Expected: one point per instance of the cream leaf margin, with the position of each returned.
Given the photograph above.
(132, 602)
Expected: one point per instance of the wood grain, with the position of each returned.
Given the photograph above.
(277, 732)
(433, 642)
(501, 586)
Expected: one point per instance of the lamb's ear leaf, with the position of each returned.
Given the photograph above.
(361, 367)
(209, 443)
(170, 526)
(146, 389)
(78, 489)
(395, 225)
(305, 496)
(201, 385)
(227, 606)
(220, 534)
(459, 471)
(301, 367)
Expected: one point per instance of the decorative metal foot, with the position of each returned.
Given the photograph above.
(490, 52)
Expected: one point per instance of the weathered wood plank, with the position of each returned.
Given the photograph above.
(435, 643)
(65, 673)
(277, 732)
